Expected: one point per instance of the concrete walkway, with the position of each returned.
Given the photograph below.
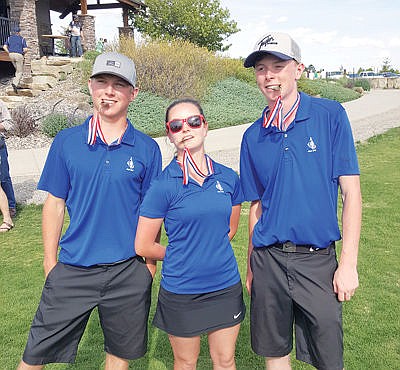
(372, 114)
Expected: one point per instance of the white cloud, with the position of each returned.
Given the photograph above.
(282, 20)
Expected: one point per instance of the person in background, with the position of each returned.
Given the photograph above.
(199, 201)
(293, 161)
(75, 27)
(100, 45)
(16, 47)
(100, 171)
(7, 223)
(6, 124)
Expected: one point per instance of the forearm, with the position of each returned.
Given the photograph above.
(351, 221)
(351, 226)
(52, 223)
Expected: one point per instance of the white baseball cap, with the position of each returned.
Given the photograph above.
(275, 43)
(117, 65)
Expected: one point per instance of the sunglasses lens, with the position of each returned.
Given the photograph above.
(175, 125)
(194, 121)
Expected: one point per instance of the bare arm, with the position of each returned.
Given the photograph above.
(254, 216)
(234, 220)
(5, 47)
(345, 280)
(147, 238)
(52, 223)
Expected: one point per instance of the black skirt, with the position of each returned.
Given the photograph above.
(189, 315)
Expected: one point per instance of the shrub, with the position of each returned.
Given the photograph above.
(147, 113)
(362, 82)
(55, 122)
(327, 89)
(24, 124)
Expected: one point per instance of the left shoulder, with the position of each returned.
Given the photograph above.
(220, 169)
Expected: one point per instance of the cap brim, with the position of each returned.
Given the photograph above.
(113, 74)
(251, 59)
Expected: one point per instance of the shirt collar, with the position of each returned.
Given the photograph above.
(303, 113)
(127, 138)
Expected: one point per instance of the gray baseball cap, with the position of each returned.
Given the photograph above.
(115, 64)
(275, 43)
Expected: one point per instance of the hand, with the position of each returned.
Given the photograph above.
(345, 282)
(152, 266)
(48, 266)
(249, 280)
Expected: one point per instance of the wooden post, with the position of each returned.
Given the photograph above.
(84, 7)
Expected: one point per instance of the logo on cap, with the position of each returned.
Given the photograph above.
(267, 40)
(113, 63)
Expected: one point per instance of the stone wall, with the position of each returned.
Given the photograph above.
(23, 13)
(88, 29)
(385, 83)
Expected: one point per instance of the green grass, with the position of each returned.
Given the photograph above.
(371, 318)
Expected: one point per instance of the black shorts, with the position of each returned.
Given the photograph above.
(296, 288)
(122, 294)
(190, 315)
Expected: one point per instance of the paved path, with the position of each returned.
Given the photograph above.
(372, 114)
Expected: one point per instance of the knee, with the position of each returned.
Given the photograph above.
(185, 363)
(223, 360)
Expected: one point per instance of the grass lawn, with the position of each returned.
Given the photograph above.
(371, 319)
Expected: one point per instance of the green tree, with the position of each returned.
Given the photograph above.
(386, 67)
(202, 22)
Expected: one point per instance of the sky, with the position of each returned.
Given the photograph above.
(332, 34)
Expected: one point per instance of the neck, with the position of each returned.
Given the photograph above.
(112, 129)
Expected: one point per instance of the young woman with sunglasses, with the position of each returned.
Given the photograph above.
(199, 201)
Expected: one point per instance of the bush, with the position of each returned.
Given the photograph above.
(362, 82)
(147, 113)
(55, 122)
(24, 124)
(173, 69)
(327, 89)
(232, 102)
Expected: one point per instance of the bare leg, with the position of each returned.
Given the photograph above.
(115, 363)
(278, 363)
(4, 207)
(222, 345)
(186, 352)
(24, 366)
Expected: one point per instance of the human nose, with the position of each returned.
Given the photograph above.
(109, 89)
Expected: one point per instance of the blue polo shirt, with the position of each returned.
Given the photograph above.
(103, 187)
(16, 44)
(199, 257)
(295, 173)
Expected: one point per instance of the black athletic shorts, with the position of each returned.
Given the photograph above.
(296, 288)
(122, 294)
(190, 315)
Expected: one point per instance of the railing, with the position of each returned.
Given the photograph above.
(6, 25)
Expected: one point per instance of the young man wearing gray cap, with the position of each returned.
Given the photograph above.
(100, 171)
(293, 160)
(16, 47)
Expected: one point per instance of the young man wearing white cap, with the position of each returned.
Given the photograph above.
(294, 159)
(100, 171)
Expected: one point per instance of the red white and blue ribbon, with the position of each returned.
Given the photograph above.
(274, 116)
(188, 159)
(94, 131)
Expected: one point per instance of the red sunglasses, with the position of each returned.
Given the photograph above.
(176, 124)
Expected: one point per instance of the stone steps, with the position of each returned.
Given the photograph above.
(45, 73)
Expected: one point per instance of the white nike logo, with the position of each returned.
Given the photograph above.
(237, 315)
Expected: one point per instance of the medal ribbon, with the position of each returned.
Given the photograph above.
(188, 159)
(274, 117)
(94, 131)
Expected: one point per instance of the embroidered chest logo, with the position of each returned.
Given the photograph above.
(312, 147)
(131, 165)
(219, 187)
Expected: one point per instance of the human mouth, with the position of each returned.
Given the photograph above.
(274, 87)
